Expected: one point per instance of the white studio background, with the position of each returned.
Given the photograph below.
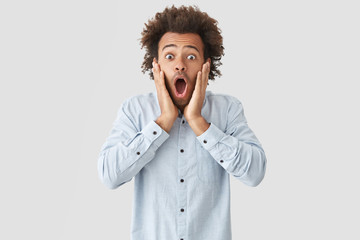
(66, 66)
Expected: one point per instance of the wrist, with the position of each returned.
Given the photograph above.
(165, 122)
(199, 125)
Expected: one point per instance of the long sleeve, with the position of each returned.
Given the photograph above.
(182, 182)
(128, 149)
(236, 149)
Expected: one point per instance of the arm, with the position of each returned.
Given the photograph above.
(237, 149)
(127, 150)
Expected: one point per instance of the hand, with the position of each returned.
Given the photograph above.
(192, 111)
(169, 111)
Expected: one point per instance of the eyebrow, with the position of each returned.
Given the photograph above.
(188, 46)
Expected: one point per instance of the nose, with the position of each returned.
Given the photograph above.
(180, 66)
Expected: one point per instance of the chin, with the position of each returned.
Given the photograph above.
(179, 102)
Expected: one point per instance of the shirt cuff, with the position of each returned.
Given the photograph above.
(211, 137)
(155, 133)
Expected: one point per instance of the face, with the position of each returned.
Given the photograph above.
(180, 57)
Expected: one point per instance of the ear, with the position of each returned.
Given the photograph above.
(208, 60)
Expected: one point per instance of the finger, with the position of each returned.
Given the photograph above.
(160, 73)
(156, 71)
(160, 86)
(206, 68)
(205, 75)
(157, 77)
(162, 78)
(197, 89)
(157, 66)
(198, 82)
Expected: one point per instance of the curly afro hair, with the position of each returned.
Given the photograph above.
(183, 20)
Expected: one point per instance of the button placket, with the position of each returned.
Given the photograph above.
(182, 159)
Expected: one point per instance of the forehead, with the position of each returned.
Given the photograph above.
(181, 40)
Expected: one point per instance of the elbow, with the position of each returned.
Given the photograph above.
(106, 177)
(256, 171)
(113, 183)
(107, 181)
(109, 184)
(109, 175)
(254, 182)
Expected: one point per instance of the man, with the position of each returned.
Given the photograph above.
(182, 142)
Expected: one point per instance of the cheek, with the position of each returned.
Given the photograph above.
(197, 68)
(167, 77)
(165, 69)
(200, 67)
(168, 81)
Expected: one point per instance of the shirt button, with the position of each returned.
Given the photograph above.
(205, 141)
(221, 161)
(154, 132)
(183, 121)
(182, 180)
(182, 150)
(138, 153)
(182, 210)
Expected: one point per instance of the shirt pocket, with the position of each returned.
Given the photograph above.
(206, 166)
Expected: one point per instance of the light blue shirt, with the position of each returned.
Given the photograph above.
(182, 185)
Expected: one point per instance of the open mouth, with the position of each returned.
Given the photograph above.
(180, 87)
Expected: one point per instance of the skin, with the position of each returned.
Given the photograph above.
(181, 54)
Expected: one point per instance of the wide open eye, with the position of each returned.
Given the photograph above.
(169, 56)
(191, 57)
